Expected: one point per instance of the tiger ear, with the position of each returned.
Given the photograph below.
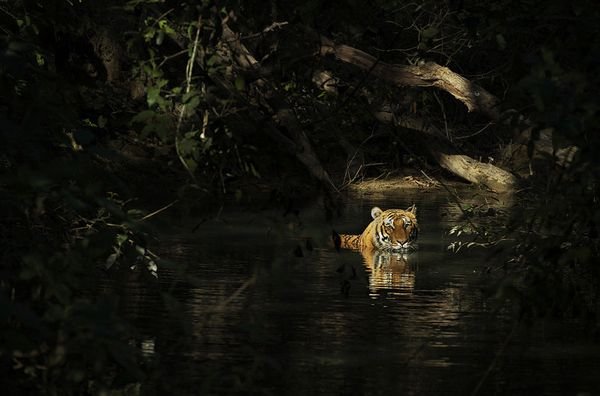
(376, 212)
(412, 209)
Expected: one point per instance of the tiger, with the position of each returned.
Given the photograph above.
(390, 230)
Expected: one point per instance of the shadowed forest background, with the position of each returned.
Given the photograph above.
(114, 112)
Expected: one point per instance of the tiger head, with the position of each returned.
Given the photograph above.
(393, 229)
(390, 230)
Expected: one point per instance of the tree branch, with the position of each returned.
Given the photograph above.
(429, 74)
(449, 158)
(283, 116)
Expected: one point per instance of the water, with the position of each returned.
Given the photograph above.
(248, 306)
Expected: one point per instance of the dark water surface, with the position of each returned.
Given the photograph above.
(246, 306)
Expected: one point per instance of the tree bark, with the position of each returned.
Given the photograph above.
(287, 131)
(429, 74)
(448, 157)
(474, 97)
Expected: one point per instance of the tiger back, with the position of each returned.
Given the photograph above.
(390, 230)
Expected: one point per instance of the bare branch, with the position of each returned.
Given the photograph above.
(429, 74)
(299, 144)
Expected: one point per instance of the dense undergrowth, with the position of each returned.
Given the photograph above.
(103, 103)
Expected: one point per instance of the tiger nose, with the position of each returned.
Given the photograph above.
(403, 245)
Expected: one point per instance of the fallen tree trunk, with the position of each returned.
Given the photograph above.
(448, 157)
(474, 97)
(428, 74)
(474, 171)
(445, 153)
(288, 132)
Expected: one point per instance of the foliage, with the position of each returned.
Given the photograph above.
(559, 251)
(185, 73)
(59, 226)
(59, 337)
(481, 225)
(79, 74)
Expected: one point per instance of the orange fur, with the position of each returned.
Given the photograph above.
(393, 229)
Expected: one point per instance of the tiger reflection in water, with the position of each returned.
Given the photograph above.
(389, 270)
(384, 245)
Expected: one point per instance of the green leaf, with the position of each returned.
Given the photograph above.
(212, 60)
(39, 58)
(191, 164)
(163, 24)
(163, 128)
(187, 96)
(193, 103)
(143, 117)
(162, 82)
(121, 238)
(240, 84)
(153, 96)
(289, 86)
(149, 34)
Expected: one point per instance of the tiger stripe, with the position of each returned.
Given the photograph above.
(393, 229)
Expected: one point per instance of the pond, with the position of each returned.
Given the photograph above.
(261, 303)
